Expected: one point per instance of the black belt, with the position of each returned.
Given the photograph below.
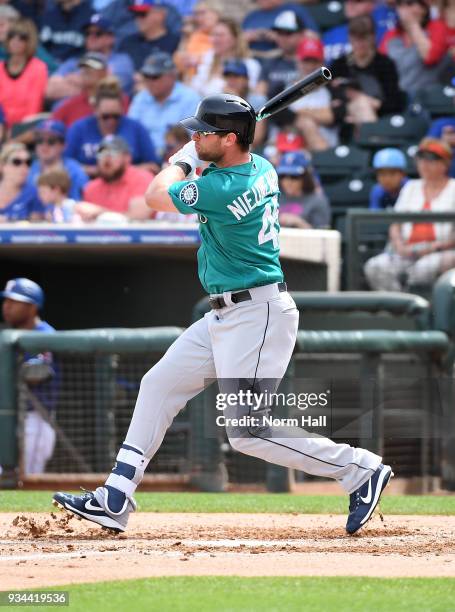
(240, 296)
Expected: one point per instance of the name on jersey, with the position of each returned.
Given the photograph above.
(265, 185)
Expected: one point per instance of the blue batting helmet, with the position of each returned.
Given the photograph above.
(389, 158)
(24, 290)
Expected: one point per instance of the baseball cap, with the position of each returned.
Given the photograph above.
(389, 158)
(52, 126)
(24, 290)
(310, 48)
(157, 64)
(143, 6)
(97, 61)
(287, 21)
(236, 67)
(100, 22)
(293, 164)
(114, 143)
(288, 141)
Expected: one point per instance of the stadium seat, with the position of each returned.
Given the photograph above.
(392, 131)
(340, 162)
(327, 14)
(438, 100)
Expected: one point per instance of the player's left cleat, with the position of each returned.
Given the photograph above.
(93, 506)
(364, 500)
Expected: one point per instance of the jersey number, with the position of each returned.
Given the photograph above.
(269, 224)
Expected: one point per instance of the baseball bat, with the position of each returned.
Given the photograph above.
(292, 93)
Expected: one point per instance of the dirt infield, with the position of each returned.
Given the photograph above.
(40, 550)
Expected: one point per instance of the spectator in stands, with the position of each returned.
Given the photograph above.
(53, 188)
(63, 24)
(84, 136)
(228, 43)
(198, 41)
(314, 115)
(119, 188)
(444, 128)
(18, 199)
(2, 125)
(390, 166)
(8, 17)
(164, 101)
(417, 45)
(176, 136)
(419, 252)
(235, 74)
(23, 78)
(99, 38)
(49, 146)
(22, 301)
(93, 70)
(365, 86)
(279, 72)
(257, 25)
(302, 202)
(336, 39)
(153, 35)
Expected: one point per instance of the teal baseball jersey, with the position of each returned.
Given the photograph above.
(239, 227)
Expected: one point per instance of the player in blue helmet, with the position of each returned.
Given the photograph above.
(390, 165)
(22, 301)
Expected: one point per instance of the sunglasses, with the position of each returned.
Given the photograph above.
(428, 156)
(15, 34)
(110, 117)
(407, 2)
(95, 33)
(48, 141)
(290, 176)
(200, 133)
(140, 15)
(153, 77)
(17, 161)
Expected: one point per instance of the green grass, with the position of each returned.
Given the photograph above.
(265, 594)
(40, 501)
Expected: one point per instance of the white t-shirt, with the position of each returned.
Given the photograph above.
(319, 98)
(412, 199)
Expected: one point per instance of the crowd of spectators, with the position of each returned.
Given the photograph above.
(92, 92)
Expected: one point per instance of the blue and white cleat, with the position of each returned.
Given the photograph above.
(364, 500)
(106, 506)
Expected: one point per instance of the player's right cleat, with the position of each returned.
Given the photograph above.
(364, 500)
(106, 506)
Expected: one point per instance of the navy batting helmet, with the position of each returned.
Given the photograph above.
(24, 290)
(224, 113)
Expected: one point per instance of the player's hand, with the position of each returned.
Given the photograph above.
(187, 154)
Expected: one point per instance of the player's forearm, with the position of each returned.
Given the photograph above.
(157, 196)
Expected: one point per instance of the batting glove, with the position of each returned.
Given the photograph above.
(188, 155)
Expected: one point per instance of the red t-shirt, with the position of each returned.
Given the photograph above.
(117, 195)
(24, 95)
(437, 33)
(77, 107)
(422, 232)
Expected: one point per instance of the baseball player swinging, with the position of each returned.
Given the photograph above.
(249, 334)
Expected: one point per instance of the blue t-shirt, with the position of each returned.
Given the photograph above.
(23, 205)
(138, 48)
(435, 131)
(381, 199)
(62, 32)
(336, 40)
(157, 117)
(84, 137)
(120, 65)
(76, 173)
(264, 20)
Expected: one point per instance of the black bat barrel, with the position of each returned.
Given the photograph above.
(289, 95)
